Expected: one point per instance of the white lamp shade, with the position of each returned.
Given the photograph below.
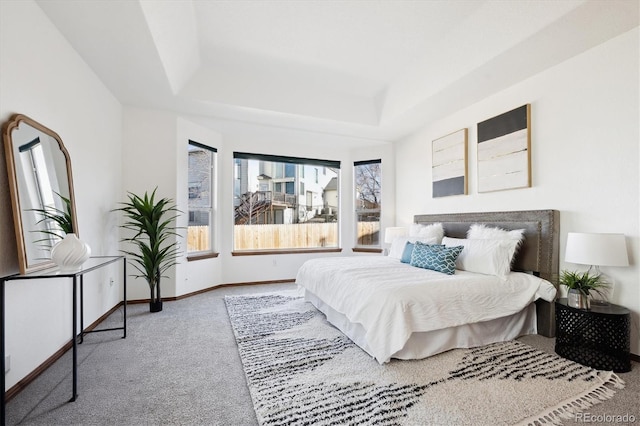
(596, 249)
(392, 233)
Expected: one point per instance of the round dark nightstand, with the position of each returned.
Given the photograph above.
(598, 338)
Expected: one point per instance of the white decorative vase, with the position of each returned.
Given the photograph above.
(70, 253)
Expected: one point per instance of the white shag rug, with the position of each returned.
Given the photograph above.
(303, 371)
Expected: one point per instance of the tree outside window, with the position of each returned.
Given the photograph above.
(368, 187)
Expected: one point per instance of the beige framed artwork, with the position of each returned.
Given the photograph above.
(504, 151)
(449, 165)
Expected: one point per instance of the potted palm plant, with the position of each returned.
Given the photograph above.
(151, 223)
(580, 286)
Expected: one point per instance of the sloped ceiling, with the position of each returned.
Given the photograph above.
(368, 69)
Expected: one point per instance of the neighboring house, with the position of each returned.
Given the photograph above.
(199, 190)
(282, 193)
(330, 197)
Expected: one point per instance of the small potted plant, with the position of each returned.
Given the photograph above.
(580, 285)
(150, 222)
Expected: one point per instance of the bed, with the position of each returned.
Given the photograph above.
(396, 310)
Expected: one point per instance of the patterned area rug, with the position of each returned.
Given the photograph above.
(303, 371)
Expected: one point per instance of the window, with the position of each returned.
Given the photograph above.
(38, 171)
(290, 188)
(269, 214)
(289, 170)
(368, 185)
(202, 160)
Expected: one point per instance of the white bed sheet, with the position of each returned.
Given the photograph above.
(428, 343)
(391, 300)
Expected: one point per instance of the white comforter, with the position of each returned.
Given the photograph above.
(391, 299)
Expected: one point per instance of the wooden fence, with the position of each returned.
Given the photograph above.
(299, 235)
(368, 233)
(198, 238)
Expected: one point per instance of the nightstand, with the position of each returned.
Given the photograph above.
(598, 338)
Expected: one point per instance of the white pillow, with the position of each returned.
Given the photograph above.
(490, 257)
(479, 231)
(397, 246)
(414, 229)
(434, 230)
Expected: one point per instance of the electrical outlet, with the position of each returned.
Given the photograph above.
(7, 364)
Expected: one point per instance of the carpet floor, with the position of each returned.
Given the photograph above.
(181, 366)
(303, 371)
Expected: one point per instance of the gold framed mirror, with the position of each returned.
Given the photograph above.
(41, 188)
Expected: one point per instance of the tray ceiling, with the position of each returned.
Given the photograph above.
(368, 69)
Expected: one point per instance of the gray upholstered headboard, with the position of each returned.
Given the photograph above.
(538, 254)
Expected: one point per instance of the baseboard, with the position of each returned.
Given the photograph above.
(18, 387)
(22, 384)
(208, 289)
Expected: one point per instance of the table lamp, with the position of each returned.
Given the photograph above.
(597, 250)
(392, 233)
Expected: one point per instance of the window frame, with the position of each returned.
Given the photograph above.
(211, 209)
(299, 179)
(358, 211)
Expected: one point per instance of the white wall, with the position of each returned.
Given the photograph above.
(44, 78)
(585, 155)
(149, 161)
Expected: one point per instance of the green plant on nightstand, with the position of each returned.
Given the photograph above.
(580, 286)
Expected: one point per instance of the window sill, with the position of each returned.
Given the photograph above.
(200, 256)
(285, 251)
(366, 250)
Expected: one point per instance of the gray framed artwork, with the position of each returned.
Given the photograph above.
(504, 151)
(449, 164)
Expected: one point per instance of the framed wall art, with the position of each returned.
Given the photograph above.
(449, 164)
(504, 151)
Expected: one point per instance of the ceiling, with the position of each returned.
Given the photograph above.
(370, 69)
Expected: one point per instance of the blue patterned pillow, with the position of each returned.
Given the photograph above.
(435, 257)
(406, 254)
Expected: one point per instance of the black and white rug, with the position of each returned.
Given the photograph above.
(303, 371)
